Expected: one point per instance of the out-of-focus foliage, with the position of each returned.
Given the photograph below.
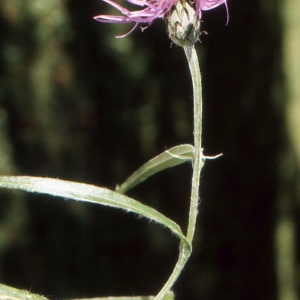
(78, 104)
(287, 240)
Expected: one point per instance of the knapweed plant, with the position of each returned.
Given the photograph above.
(183, 20)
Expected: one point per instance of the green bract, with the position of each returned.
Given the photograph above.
(183, 24)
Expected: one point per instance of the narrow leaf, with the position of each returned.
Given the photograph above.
(170, 158)
(88, 193)
(10, 293)
(169, 296)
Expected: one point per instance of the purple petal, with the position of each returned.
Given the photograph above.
(153, 9)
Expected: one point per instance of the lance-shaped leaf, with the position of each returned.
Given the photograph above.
(11, 293)
(89, 193)
(169, 296)
(170, 158)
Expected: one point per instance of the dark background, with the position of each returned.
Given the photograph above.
(78, 104)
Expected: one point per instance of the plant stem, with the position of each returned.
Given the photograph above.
(186, 249)
(198, 160)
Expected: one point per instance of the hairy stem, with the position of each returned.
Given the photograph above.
(185, 249)
(198, 159)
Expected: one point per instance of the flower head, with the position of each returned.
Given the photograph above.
(151, 10)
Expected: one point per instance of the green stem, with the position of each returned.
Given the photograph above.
(184, 254)
(186, 249)
(198, 161)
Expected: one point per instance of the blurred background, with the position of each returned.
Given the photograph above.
(78, 104)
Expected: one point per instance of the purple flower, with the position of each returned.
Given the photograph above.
(152, 9)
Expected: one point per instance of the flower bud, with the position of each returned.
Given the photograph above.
(183, 23)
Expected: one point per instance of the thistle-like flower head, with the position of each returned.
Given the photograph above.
(153, 9)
